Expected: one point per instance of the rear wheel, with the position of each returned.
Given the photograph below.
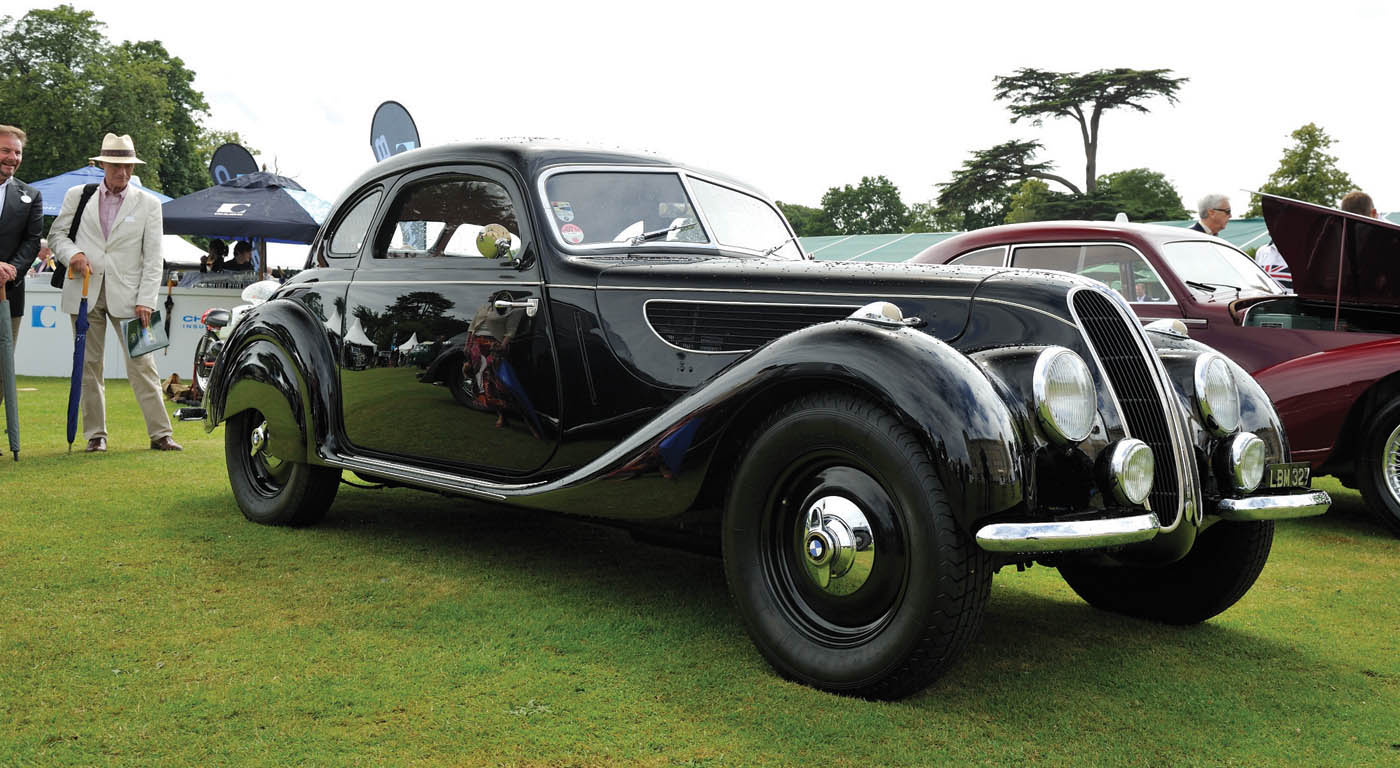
(842, 553)
(1222, 565)
(269, 490)
(1379, 466)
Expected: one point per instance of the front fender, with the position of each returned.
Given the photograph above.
(946, 398)
(278, 360)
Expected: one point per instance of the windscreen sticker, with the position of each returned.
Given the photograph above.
(563, 210)
(572, 234)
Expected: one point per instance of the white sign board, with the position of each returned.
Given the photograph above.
(45, 344)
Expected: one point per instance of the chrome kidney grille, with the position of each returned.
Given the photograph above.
(1141, 394)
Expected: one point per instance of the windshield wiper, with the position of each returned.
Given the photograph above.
(652, 235)
(1213, 287)
(778, 247)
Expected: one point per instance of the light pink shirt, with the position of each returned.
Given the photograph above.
(108, 204)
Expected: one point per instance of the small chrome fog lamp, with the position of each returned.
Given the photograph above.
(1242, 457)
(1064, 395)
(1130, 470)
(1217, 395)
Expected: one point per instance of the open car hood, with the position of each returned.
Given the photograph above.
(1335, 255)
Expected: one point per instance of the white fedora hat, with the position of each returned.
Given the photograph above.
(118, 149)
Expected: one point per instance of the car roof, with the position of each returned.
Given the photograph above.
(1054, 231)
(528, 157)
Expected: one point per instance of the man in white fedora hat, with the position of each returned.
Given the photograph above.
(118, 241)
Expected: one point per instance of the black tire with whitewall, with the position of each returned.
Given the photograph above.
(1378, 470)
(1220, 568)
(269, 490)
(843, 555)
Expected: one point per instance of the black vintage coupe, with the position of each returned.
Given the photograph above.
(623, 338)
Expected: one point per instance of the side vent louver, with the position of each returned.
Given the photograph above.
(726, 327)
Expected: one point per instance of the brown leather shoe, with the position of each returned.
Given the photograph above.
(165, 444)
(97, 445)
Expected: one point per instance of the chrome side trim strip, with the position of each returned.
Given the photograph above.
(772, 292)
(427, 478)
(1283, 507)
(1067, 536)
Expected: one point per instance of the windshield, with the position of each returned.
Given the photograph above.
(607, 207)
(633, 208)
(1217, 265)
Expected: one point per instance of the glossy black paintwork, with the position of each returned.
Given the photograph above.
(627, 426)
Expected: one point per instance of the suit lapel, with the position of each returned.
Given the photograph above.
(12, 204)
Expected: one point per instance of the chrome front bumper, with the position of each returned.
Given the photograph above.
(1099, 534)
(1282, 507)
(1065, 536)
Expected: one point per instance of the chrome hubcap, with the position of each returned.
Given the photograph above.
(837, 548)
(1390, 463)
(259, 438)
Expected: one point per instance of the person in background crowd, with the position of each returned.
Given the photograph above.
(21, 224)
(213, 261)
(242, 258)
(1214, 212)
(1359, 202)
(118, 243)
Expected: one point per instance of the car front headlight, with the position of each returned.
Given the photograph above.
(1217, 396)
(1131, 469)
(1064, 394)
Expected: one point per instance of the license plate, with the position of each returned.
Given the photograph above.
(1297, 474)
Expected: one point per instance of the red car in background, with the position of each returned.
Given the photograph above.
(1328, 354)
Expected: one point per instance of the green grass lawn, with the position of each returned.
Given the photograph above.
(144, 622)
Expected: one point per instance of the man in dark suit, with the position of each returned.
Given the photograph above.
(21, 223)
(1214, 210)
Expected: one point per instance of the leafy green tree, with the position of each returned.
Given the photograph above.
(984, 186)
(1028, 202)
(1143, 194)
(1039, 94)
(931, 217)
(872, 208)
(807, 221)
(67, 85)
(1306, 171)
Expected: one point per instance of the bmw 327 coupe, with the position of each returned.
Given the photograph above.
(642, 343)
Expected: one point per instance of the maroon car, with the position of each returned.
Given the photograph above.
(1328, 355)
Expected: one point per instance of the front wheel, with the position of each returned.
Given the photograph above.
(269, 490)
(1379, 466)
(842, 553)
(1222, 565)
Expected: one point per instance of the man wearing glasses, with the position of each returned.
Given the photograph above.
(1215, 214)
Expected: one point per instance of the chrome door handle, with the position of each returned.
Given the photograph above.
(531, 306)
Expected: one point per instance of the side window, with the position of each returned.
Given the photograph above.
(1119, 267)
(456, 216)
(982, 257)
(349, 234)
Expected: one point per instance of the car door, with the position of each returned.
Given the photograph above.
(451, 268)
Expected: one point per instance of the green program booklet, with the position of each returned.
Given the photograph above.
(141, 341)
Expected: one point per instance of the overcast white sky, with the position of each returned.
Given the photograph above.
(794, 98)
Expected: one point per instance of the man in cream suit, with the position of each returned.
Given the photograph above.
(118, 240)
